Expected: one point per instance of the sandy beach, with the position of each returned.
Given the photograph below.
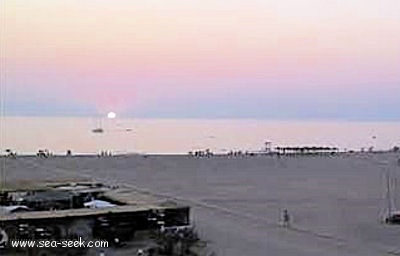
(336, 202)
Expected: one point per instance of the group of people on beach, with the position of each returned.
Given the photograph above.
(104, 153)
(201, 153)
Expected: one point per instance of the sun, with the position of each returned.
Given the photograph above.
(111, 115)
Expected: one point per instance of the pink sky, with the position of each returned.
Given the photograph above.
(124, 54)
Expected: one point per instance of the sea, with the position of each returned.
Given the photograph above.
(26, 135)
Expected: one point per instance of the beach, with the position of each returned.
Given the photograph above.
(336, 202)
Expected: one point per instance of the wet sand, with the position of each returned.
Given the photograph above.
(336, 202)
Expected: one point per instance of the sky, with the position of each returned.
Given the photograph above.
(266, 59)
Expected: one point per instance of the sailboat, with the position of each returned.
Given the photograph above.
(99, 128)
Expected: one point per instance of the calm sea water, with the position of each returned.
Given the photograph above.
(27, 135)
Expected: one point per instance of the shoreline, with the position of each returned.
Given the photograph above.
(243, 154)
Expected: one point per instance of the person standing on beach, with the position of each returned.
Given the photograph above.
(285, 218)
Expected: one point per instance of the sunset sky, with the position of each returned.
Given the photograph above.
(278, 59)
